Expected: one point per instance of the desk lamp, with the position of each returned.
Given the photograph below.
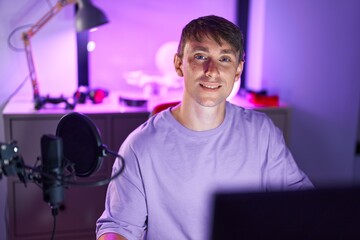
(87, 16)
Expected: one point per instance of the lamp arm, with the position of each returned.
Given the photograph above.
(30, 62)
(26, 36)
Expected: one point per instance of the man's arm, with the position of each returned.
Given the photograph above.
(111, 236)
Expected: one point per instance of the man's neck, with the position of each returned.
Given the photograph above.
(199, 118)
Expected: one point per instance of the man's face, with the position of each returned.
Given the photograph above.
(209, 70)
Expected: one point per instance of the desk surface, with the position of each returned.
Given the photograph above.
(22, 104)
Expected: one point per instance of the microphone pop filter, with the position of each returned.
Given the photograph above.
(82, 143)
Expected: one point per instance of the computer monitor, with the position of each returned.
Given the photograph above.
(310, 214)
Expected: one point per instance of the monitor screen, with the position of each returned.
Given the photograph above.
(311, 214)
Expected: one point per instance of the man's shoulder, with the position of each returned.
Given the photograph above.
(156, 124)
(247, 114)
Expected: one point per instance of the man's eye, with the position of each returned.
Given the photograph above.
(200, 57)
(225, 59)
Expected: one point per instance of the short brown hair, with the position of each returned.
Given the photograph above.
(215, 27)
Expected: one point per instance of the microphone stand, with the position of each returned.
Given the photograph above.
(50, 175)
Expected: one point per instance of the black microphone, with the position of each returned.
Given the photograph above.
(52, 174)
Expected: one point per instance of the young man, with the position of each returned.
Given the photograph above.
(179, 157)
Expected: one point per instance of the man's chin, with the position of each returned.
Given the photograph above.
(212, 102)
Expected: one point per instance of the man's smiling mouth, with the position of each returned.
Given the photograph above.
(210, 86)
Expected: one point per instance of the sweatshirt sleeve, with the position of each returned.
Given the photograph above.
(125, 206)
(282, 172)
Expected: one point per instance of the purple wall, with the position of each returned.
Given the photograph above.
(311, 59)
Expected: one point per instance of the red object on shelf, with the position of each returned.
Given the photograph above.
(162, 106)
(263, 100)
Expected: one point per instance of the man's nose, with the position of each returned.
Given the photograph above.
(211, 68)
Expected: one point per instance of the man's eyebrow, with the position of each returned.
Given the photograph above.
(228, 51)
(205, 49)
(200, 48)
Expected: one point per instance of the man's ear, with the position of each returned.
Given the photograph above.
(239, 70)
(178, 64)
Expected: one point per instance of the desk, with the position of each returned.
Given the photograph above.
(29, 216)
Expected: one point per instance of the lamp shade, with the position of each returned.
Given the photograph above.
(89, 16)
